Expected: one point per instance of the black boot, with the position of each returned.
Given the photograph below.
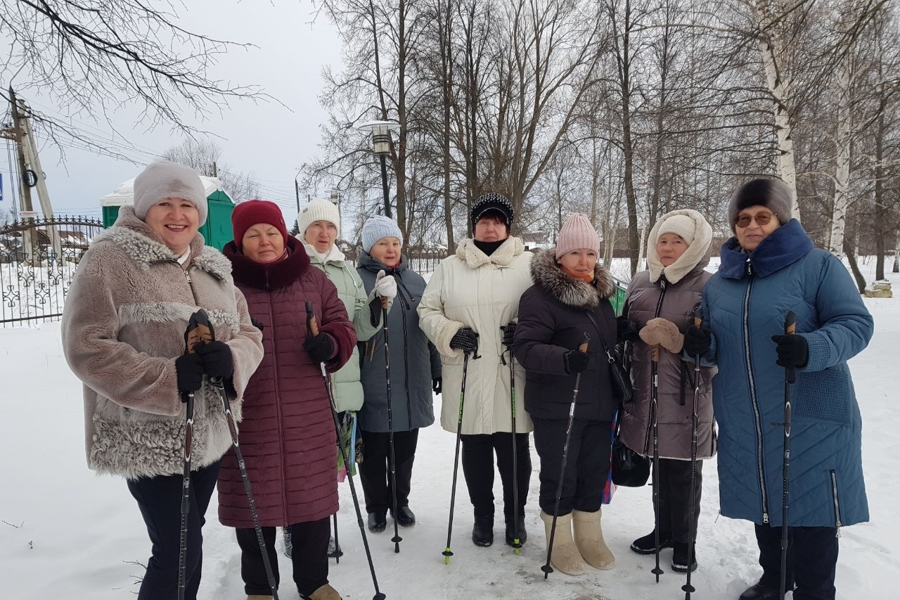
(405, 517)
(483, 532)
(377, 521)
(511, 531)
(758, 591)
(647, 544)
(680, 557)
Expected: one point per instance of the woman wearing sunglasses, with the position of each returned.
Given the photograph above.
(769, 269)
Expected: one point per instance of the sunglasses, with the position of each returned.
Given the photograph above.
(760, 218)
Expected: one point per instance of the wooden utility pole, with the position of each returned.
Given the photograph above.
(25, 196)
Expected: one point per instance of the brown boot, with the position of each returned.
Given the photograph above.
(258, 597)
(326, 592)
(565, 556)
(589, 540)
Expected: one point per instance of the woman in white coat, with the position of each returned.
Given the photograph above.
(469, 297)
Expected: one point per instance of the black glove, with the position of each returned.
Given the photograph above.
(697, 341)
(257, 324)
(626, 330)
(217, 359)
(509, 333)
(465, 339)
(320, 347)
(793, 351)
(576, 361)
(189, 372)
(436, 384)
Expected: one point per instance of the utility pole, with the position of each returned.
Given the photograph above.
(25, 195)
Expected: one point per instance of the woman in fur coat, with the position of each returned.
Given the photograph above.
(288, 434)
(660, 304)
(570, 298)
(123, 335)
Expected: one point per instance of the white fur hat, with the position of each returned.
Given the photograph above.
(164, 179)
(318, 210)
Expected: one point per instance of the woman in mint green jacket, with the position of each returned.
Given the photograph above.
(319, 227)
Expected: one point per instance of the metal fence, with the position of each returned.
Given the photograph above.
(38, 259)
(420, 260)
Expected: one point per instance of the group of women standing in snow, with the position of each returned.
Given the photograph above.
(493, 316)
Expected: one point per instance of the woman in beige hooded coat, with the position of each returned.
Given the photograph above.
(660, 303)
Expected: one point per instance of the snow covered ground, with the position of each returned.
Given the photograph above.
(66, 533)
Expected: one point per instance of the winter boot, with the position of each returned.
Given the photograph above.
(377, 521)
(758, 591)
(258, 597)
(565, 556)
(647, 544)
(589, 539)
(483, 532)
(680, 557)
(511, 531)
(326, 592)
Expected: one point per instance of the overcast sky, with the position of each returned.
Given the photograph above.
(269, 140)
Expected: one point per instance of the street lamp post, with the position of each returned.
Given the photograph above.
(381, 145)
(297, 188)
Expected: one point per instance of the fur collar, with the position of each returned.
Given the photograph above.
(502, 257)
(270, 276)
(784, 246)
(697, 254)
(547, 276)
(144, 247)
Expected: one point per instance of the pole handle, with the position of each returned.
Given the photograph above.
(312, 325)
(384, 302)
(698, 315)
(583, 346)
(790, 328)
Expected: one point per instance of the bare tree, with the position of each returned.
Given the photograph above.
(204, 157)
(91, 57)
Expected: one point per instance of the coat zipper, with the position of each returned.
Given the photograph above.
(760, 468)
(654, 374)
(284, 500)
(837, 504)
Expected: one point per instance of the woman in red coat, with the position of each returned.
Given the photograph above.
(287, 433)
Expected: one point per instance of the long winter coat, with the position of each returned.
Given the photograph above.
(472, 289)
(287, 437)
(414, 360)
(348, 390)
(746, 303)
(122, 329)
(670, 293)
(554, 315)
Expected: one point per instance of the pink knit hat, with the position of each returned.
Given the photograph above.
(575, 234)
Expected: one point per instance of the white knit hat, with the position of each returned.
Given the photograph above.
(318, 210)
(681, 225)
(164, 179)
(378, 227)
(575, 234)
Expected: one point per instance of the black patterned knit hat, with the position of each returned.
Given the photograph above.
(492, 202)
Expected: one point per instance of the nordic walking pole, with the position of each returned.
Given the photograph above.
(392, 460)
(191, 337)
(337, 553)
(517, 544)
(208, 334)
(312, 328)
(687, 588)
(790, 328)
(462, 398)
(547, 569)
(654, 408)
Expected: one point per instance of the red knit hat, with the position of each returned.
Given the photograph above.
(251, 212)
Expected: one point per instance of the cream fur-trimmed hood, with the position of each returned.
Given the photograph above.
(547, 275)
(696, 254)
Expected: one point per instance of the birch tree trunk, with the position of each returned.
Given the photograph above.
(842, 160)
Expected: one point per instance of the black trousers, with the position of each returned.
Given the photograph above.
(159, 499)
(309, 557)
(811, 561)
(587, 463)
(375, 472)
(675, 498)
(478, 469)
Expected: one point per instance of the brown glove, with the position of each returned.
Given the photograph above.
(662, 332)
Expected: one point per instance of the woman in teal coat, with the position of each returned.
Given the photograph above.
(769, 269)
